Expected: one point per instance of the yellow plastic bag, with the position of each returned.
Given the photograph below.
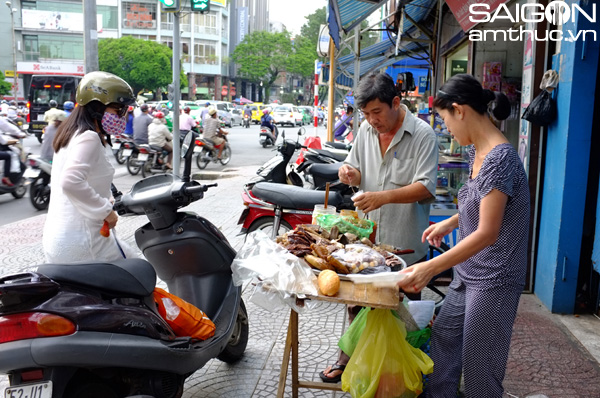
(383, 364)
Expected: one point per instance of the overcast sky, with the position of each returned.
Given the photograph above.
(293, 13)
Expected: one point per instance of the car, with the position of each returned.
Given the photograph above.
(257, 108)
(223, 111)
(287, 114)
(237, 116)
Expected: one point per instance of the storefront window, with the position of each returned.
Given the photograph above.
(139, 15)
(206, 24)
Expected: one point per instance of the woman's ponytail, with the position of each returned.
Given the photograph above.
(499, 106)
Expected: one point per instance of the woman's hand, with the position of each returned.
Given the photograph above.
(436, 232)
(112, 219)
(417, 277)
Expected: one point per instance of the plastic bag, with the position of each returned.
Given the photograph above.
(383, 364)
(277, 270)
(358, 257)
(542, 110)
(184, 318)
(357, 226)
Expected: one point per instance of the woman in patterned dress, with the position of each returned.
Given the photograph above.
(472, 333)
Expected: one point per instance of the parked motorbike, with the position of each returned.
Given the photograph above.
(246, 121)
(267, 136)
(39, 172)
(206, 152)
(276, 169)
(92, 329)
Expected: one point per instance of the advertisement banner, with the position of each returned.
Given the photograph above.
(56, 20)
(243, 23)
(460, 9)
(48, 68)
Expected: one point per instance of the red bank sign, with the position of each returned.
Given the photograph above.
(460, 9)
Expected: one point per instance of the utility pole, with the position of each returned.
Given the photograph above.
(90, 36)
(14, 54)
(176, 93)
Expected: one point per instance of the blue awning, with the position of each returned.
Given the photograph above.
(346, 14)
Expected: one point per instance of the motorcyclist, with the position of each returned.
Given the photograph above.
(47, 151)
(213, 131)
(140, 125)
(68, 107)
(267, 121)
(248, 112)
(6, 127)
(186, 121)
(129, 126)
(52, 113)
(159, 135)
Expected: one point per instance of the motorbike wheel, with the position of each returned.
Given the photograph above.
(200, 162)
(226, 155)
(39, 194)
(147, 168)
(264, 144)
(133, 166)
(119, 155)
(21, 190)
(265, 224)
(236, 346)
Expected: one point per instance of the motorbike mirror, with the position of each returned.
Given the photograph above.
(301, 131)
(186, 144)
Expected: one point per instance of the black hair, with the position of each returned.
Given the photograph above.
(83, 118)
(464, 89)
(376, 86)
(349, 108)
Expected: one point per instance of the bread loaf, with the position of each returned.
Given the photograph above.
(329, 282)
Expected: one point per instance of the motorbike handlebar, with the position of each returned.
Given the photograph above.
(198, 188)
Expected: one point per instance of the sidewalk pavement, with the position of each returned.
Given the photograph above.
(551, 355)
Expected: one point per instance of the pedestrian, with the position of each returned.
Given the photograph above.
(213, 132)
(472, 333)
(394, 162)
(81, 200)
(140, 125)
(47, 151)
(160, 136)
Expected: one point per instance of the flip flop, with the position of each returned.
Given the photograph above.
(334, 379)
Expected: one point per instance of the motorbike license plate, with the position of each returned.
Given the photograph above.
(34, 390)
(116, 145)
(127, 152)
(197, 149)
(31, 173)
(142, 157)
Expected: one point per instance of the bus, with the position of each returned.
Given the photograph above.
(43, 89)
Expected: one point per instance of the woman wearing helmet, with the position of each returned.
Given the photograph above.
(267, 121)
(160, 136)
(80, 200)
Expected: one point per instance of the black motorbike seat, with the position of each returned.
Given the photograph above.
(293, 197)
(131, 277)
(337, 145)
(325, 171)
(326, 153)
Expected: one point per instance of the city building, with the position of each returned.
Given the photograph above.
(49, 39)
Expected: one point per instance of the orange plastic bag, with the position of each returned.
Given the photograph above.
(184, 318)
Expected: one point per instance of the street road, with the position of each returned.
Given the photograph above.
(246, 151)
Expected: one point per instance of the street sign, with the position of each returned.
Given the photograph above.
(200, 5)
(169, 5)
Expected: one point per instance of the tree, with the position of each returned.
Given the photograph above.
(312, 28)
(5, 87)
(144, 64)
(262, 55)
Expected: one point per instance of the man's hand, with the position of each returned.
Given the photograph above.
(349, 175)
(370, 201)
(112, 219)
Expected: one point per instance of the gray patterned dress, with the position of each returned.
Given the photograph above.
(473, 330)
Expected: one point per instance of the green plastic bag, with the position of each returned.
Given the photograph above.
(383, 364)
(359, 227)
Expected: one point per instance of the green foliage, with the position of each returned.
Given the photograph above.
(302, 61)
(144, 64)
(5, 86)
(262, 55)
(311, 29)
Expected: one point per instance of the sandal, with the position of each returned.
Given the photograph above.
(6, 181)
(334, 379)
